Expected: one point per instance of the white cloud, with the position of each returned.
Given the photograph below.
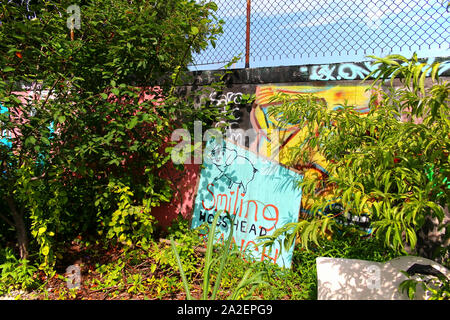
(375, 11)
(323, 12)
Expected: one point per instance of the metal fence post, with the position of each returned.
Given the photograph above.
(247, 36)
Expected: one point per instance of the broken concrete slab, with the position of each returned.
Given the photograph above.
(353, 279)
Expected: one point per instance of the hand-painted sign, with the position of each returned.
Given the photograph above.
(259, 194)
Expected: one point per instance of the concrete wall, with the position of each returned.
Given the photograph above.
(320, 77)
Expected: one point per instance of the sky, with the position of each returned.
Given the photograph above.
(299, 32)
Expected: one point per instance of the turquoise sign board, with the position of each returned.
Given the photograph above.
(260, 195)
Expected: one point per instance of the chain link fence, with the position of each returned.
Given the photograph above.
(286, 30)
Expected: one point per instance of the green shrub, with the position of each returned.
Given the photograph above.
(90, 151)
(218, 259)
(16, 274)
(378, 164)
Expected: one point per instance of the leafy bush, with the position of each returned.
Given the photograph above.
(249, 279)
(188, 251)
(87, 145)
(16, 274)
(437, 288)
(378, 163)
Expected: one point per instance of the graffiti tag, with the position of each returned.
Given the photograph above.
(354, 71)
(341, 71)
(223, 101)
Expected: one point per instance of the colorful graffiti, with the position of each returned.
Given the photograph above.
(224, 101)
(291, 135)
(15, 116)
(342, 71)
(260, 196)
(352, 70)
(5, 135)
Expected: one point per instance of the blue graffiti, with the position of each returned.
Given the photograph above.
(4, 134)
(341, 71)
(355, 71)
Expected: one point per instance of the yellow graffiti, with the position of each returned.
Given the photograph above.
(357, 96)
(290, 136)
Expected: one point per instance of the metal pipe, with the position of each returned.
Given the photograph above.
(247, 36)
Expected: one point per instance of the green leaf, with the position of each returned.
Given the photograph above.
(412, 237)
(417, 72)
(388, 235)
(45, 250)
(422, 81)
(30, 141)
(132, 123)
(42, 230)
(194, 30)
(434, 70)
(61, 119)
(180, 266)
(397, 57)
(357, 199)
(115, 91)
(409, 287)
(8, 69)
(212, 6)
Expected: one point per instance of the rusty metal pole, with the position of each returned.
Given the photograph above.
(247, 36)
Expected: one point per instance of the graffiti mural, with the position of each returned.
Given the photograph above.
(5, 135)
(223, 158)
(352, 70)
(290, 135)
(342, 71)
(260, 195)
(222, 101)
(253, 126)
